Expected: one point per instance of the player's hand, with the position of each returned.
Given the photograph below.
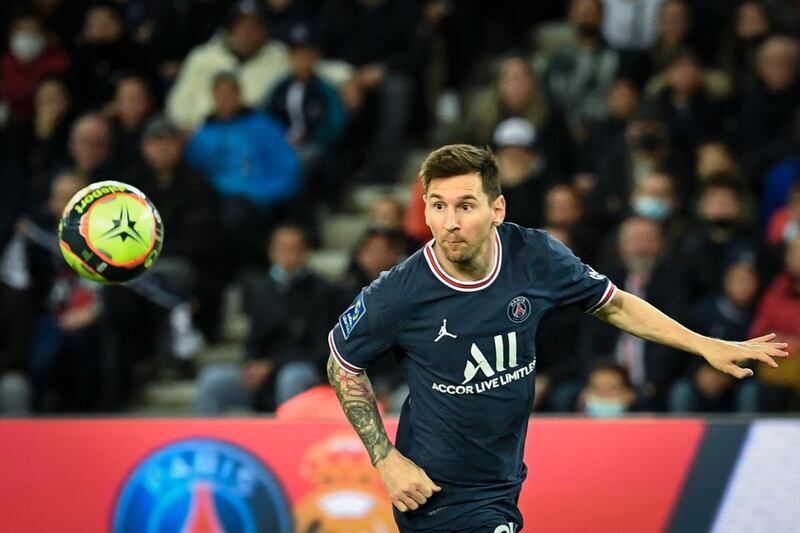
(725, 355)
(408, 485)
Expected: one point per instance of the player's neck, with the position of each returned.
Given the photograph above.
(477, 268)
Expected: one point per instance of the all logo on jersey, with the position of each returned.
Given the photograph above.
(519, 309)
(202, 485)
(352, 315)
(482, 374)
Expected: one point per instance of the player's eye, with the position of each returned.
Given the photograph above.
(466, 207)
(438, 206)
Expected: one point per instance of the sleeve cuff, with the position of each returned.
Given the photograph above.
(349, 367)
(608, 294)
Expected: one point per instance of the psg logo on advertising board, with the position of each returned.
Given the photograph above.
(202, 485)
(519, 309)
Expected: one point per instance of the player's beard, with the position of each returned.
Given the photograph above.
(463, 253)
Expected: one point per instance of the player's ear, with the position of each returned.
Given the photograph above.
(499, 210)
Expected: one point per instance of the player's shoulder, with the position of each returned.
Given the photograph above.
(529, 242)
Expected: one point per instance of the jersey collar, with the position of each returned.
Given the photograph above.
(459, 285)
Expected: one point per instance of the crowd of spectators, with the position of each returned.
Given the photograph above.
(658, 139)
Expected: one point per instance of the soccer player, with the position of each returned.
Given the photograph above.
(463, 312)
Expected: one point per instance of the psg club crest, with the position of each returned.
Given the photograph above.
(202, 485)
(519, 309)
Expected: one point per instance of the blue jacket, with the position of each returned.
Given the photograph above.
(246, 156)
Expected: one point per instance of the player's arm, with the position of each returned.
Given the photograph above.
(632, 314)
(361, 408)
(408, 484)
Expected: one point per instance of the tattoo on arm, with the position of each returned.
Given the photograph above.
(359, 404)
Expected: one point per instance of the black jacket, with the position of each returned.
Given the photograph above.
(598, 340)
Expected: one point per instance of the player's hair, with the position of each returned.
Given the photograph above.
(459, 159)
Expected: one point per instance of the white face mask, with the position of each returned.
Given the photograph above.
(27, 46)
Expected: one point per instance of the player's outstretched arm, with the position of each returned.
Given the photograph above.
(408, 484)
(632, 314)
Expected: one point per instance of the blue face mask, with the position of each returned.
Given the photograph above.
(651, 207)
(280, 275)
(597, 408)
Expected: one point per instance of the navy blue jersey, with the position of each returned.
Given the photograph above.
(468, 356)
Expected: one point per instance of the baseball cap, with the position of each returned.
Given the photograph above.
(515, 131)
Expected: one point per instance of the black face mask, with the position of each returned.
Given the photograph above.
(723, 224)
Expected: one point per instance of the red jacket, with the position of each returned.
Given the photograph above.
(19, 80)
(779, 312)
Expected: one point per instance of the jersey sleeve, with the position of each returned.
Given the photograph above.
(363, 332)
(576, 283)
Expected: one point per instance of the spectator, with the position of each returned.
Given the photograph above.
(248, 161)
(779, 313)
(245, 47)
(83, 372)
(132, 107)
(646, 149)
(768, 106)
(563, 218)
(777, 186)
(690, 112)
(32, 56)
(673, 33)
(378, 39)
(725, 315)
(104, 53)
(518, 93)
(784, 225)
(387, 212)
(310, 110)
(608, 134)
(128, 114)
(642, 270)
(52, 120)
(722, 233)
(654, 197)
(90, 148)
(188, 206)
(751, 26)
(609, 392)
(524, 172)
(289, 310)
(379, 249)
(579, 76)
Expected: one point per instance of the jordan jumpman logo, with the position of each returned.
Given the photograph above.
(443, 332)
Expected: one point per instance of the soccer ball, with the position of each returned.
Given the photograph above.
(110, 232)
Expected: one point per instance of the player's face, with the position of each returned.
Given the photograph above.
(461, 217)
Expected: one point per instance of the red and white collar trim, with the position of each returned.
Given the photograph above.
(459, 285)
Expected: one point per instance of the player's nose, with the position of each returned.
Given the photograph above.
(451, 221)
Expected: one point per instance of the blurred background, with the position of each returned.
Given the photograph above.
(280, 140)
